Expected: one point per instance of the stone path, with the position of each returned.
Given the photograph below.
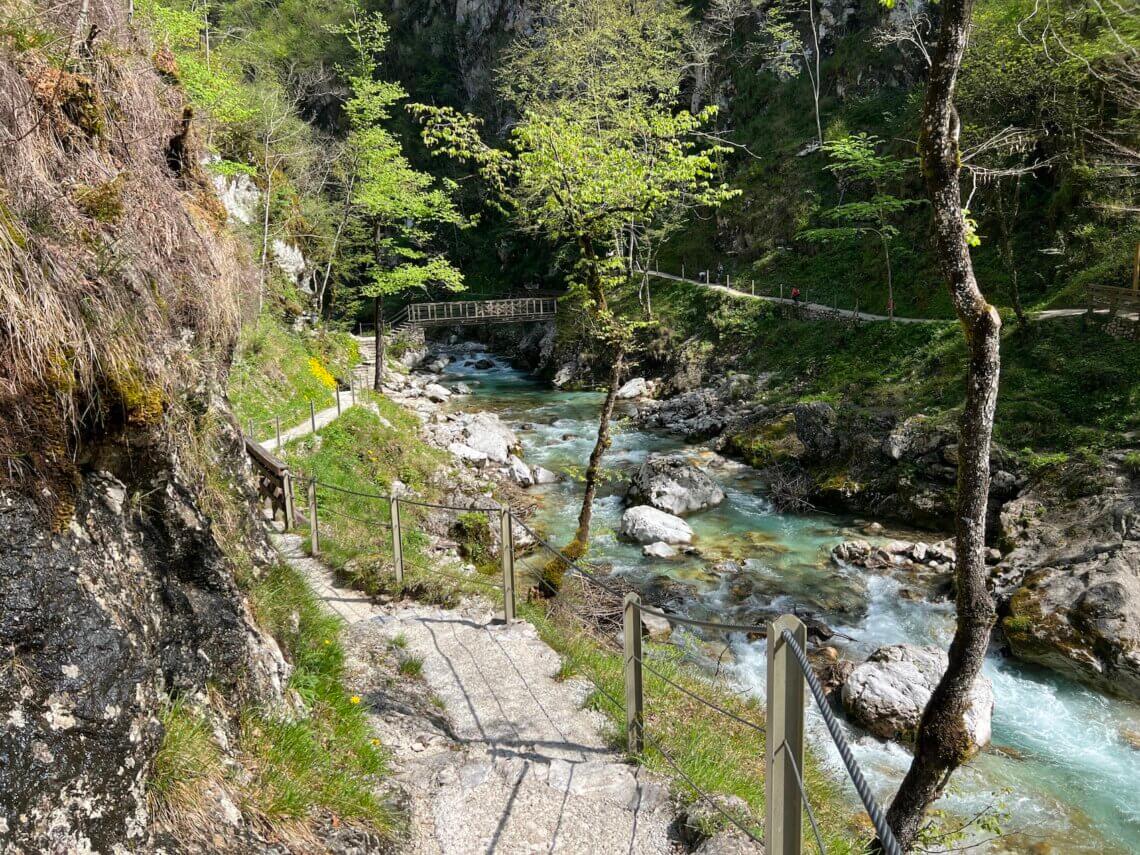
(516, 765)
(361, 374)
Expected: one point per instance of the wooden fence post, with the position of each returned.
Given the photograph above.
(507, 555)
(249, 428)
(781, 290)
(312, 417)
(397, 539)
(352, 389)
(336, 394)
(287, 489)
(631, 667)
(314, 535)
(277, 421)
(785, 742)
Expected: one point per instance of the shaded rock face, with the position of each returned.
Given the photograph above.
(134, 600)
(672, 484)
(645, 524)
(1083, 619)
(887, 694)
(1069, 586)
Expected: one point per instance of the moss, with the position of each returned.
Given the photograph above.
(101, 202)
(1132, 463)
(769, 442)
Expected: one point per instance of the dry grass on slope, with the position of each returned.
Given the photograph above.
(120, 289)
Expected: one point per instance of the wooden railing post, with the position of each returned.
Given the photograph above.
(287, 489)
(336, 394)
(249, 430)
(507, 559)
(312, 417)
(397, 539)
(277, 421)
(314, 534)
(631, 667)
(785, 742)
(352, 389)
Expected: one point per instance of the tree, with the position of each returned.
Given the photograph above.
(943, 743)
(401, 204)
(855, 163)
(599, 147)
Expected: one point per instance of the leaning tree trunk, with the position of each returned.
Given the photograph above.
(579, 545)
(610, 334)
(942, 743)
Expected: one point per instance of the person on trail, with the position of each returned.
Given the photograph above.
(795, 295)
(719, 273)
(890, 308)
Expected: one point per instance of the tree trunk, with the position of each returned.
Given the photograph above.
(942, 743)
(579, 546)
(608, 335)
(378, 342)
(1005, 223)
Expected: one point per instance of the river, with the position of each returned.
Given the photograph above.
(1060, 763)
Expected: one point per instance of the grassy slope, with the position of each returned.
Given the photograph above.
(366, 453)
(277, 373)
(1063, 387)
(297, 770)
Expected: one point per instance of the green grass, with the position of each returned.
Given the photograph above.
(186, 763)
(1064, 385)
(326, 761)
(721, 756)
(411, 666)
(366, 453)
(278, 373)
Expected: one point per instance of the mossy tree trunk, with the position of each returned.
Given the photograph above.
(943, 744)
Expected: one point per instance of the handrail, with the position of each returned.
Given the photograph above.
(784, 734)
(887, 839)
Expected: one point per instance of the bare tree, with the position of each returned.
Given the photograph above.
(943, 742)
(907, 28)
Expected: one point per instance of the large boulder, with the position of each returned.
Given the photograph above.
(672, 484)
(486, 433)
(635, 388)
(646, 524)
(1083, 619)
(817, 428)
(887, 694)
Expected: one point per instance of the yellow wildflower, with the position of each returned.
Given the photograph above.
(355, 699)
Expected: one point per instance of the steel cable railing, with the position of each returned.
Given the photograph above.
(632, 610)
(882, 829)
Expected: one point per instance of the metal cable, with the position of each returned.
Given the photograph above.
(356, 519)
(705, 624)
(807, 804)
(696, 697)
(352, 492)
(886, 836)
(586, 574)
(696, 789)
(439, 507)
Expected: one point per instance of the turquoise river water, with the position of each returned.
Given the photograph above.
(1061, 764)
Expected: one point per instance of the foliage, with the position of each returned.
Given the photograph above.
(327, 760)
(278, 373)
(402, 204)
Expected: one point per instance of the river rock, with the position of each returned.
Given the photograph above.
(466, 452)
(658, 550)
(520, 473)
(461, 389)
(437, 393)
(542, 475)
(696, 414)
(674, 485)
(484, 364)
(887, 694)
(646, 524)
(1083, 619)
(488, 434)
(635, 388)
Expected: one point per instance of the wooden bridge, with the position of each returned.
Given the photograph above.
(510, 311)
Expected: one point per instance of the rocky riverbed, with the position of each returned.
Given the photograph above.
(747, 561)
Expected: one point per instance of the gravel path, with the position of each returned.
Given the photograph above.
(515, 765)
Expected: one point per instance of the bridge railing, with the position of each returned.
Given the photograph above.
(519, 308)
